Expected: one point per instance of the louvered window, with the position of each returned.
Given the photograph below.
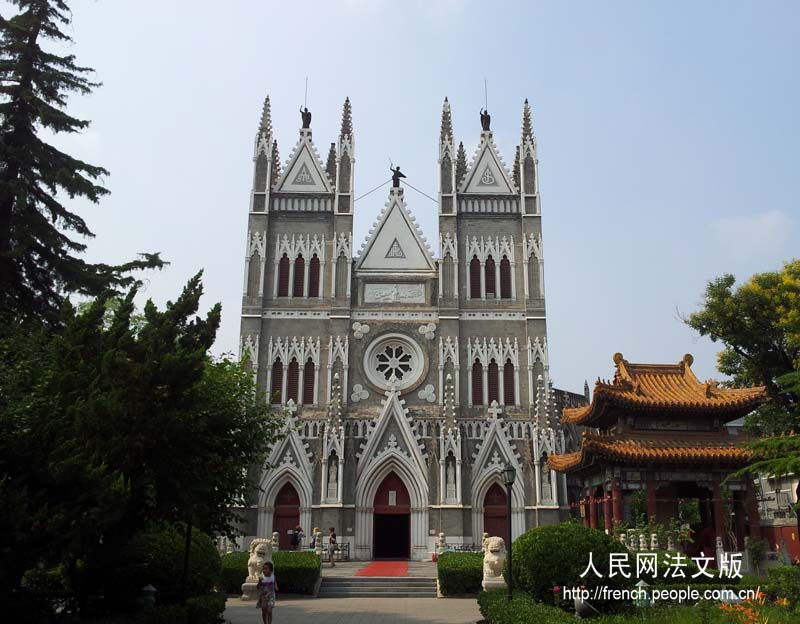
(299, 276)
(277, 382)
(313, 277)
(283, 276)
(505, 278)
(508, 384)
(308, 383)
(292, 377)
(493, 385)
(491, 288)
(477, 384)
(475, 278)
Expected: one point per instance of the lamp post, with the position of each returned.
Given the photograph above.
(509, 474)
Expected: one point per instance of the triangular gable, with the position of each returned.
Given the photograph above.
(392, 434)
(395, 243)
(487, 175)
(304, 172)
(291, 450)
(495, 441)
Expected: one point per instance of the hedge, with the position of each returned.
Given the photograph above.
(234, 571)
(296, 572)
(522, 609)
(784, 583)
(460, 573)
(206, 609)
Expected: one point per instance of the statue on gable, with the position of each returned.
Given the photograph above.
(486, 120)
(396, 175)
(305, 114)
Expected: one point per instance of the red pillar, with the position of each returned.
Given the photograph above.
(719, 509)
(753, 517)
(607, 512)
(585, 510)
(593, 512)
(652, 509)
(616, 495)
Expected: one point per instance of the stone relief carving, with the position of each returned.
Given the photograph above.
(359, 393)
(394, 293)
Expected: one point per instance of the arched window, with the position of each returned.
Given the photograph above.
(475, 278)
(493, 383)
(277, 382)
(505, 278)
(299, 276)
(491, 287)
(283, 276)
(477, 383)
(292, 377)
(508, 384)
(313, 277)
(308, 382)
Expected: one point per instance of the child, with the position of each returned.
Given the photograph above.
(267, 587)
(332, 547)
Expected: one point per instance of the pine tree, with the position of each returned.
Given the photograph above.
(39, 259)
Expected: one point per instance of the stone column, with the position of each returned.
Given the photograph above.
(607, 512)
(616, 497)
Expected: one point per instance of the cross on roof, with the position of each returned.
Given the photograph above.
(495, 410)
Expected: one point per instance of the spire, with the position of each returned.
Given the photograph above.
(446, 132)
(276, 165)
(449, 409)
(265, 125)
(330, 166)
(461, 163)
(516, 167)
(347, 120)
(586, 389)
(527, 127)
(335, 406)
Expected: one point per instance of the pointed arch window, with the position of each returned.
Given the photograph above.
(505, 278)
(475, 278)
(491, 282)
(292, 378)
(277, 382)
(477, 383)
(283, 276)
(308, 382)
(509, 383)
(299, 276)
(313, 276)
(492, 379)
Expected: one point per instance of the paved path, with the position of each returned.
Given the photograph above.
(359, 611)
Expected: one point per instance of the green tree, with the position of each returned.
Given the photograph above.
(39, 260)
(108, 427)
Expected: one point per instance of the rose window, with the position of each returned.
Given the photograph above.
(393, 358)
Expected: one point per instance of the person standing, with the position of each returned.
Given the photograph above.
(267, 588)
(332, 546)
(298, 537)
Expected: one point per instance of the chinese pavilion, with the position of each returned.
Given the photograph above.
(656, 428)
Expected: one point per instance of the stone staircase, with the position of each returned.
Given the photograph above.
(377, 587)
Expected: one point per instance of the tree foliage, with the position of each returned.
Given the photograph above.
(108, 426)
(39, 259)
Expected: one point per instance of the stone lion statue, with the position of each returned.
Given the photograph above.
(260, 553)
(493, 558)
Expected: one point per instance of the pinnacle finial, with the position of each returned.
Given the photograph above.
(527, 126)
(446, 132)
(461, 163)
(265, 125)
(516, 168)
(347, 119)
(330, 166)
(276, 164)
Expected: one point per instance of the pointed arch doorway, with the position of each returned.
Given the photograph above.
(392, 519)
(495, 512)
(287, 515)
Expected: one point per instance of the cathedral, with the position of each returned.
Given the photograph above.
(410, 376)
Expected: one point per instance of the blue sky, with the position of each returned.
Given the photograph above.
(668, 139)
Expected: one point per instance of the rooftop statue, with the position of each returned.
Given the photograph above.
(306, 115)
(396, 175)
(486, 120)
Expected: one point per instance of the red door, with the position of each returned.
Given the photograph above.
(495, 510)
(287, 515)
(392, 520)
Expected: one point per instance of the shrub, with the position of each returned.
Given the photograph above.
(784, 583)
(460, 573)
(522, 609)
(206, 609)
(558, 554)
(234, 572)
(296, 572)
(155, 557)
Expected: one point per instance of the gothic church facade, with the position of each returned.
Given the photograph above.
(412, 376)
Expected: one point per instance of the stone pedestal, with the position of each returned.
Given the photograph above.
(260, 553)
(494, 557)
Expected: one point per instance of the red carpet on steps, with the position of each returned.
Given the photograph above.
(385, 568)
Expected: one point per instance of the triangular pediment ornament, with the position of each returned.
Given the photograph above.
(395, 244)
(391, 433)
(291, 451)
(487, 175)
(304, 172)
